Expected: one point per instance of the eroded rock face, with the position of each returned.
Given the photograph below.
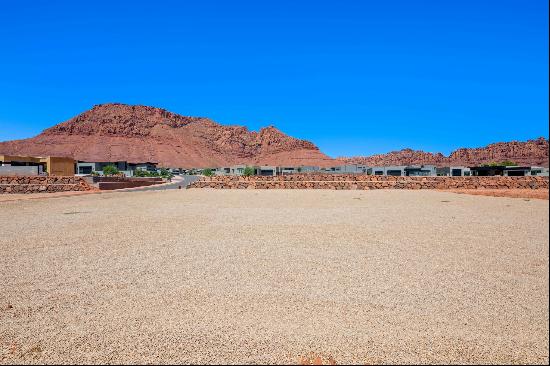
(119, 132)
(112, 132)
(531, 153)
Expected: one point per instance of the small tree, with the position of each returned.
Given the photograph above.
(207, 172)
(501, 163)
(110, 170)
(165, 173)
(248, 171)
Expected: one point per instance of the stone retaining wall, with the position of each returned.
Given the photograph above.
(111, 179)
(105, 186)
(42, 184)
(357, 181)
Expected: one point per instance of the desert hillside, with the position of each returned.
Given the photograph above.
(134, 133)
(113, 132)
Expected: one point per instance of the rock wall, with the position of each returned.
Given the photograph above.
(356, 181)
(39, 184)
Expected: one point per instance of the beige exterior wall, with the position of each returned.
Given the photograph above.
(59, 166)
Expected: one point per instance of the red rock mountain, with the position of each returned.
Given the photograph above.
(115, 132)
(531, 153)
(119, 132)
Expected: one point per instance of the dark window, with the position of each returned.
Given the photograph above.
(85, 170)
(516, 173)
(456, 172)
(378, 172)
(394, 172)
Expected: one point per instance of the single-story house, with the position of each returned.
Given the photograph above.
(35, 165)
(266, 170)
(83, 167)
(420, 170)
(510, 171)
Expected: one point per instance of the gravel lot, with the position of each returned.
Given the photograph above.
(213, 276)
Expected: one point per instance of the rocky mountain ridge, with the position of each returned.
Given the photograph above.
(135, 133)
(531, 153)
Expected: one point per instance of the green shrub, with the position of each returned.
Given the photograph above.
(501, 163)
(110, 170)
(165, 173)
(141, 173)
(207, 172)
(248, 171)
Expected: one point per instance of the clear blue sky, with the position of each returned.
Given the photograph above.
(354, 77)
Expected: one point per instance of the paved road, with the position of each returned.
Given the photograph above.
(178, 181)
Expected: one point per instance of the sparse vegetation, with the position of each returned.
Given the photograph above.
(501, 163)
(248, 171)
(165, 173)
(110, 170)
(146, 173)
(207, 172)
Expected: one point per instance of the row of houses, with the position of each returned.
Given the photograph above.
(30, 165)
(397, 170)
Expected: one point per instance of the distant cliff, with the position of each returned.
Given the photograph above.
(531, 152)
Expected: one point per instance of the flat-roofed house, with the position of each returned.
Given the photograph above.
(517, 171)
(285, 170)
(420, 171)
(539, 171)
(266, 170)
(84, 167)
(237, 169)
(378, 170)
(507, 171)
(459, 171)
(395, 170)
(308, 169)
(35, 165)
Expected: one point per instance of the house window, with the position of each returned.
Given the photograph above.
(394, 172)
(85, 170)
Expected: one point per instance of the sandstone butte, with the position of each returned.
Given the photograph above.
(120, 132)
(528, 153)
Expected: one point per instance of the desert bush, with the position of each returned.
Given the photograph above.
(248, 171)
(501, 163)
(110, 170)
(207, 172)
(165, 173)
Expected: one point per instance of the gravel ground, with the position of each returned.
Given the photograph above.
(515, 193)
(213, 276)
